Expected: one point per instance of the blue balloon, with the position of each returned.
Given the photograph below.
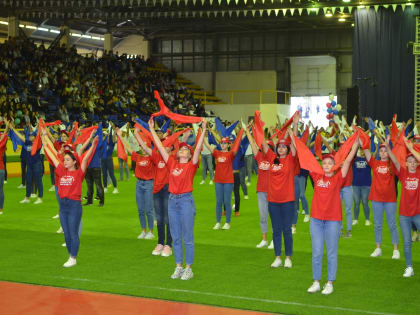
(333, 103)
(331, 121)
(335, 112)
(329, 110)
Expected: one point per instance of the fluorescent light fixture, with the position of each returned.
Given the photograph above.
(361, 6)
(21, 25)
(328, 13)
(96, 37)
(352, 24)
(31, 27)
(4, 22)
(313, 9)
(76, 34)
(86, 36)
(55, 31)
(102, 38)
(42, 29)
(346, 1)
(341, 20)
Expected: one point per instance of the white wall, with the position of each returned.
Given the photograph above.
(202, 79)
(133, 45)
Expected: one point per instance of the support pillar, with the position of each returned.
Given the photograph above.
(65, 39)
(13, 30)
(108, 42)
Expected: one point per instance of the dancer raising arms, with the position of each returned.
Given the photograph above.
(3, 142)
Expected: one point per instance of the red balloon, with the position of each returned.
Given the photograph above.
(328, 116)
(328, 105)
(331, 116)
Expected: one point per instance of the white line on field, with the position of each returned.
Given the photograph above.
(235, 297)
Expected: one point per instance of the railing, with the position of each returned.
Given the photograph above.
(246, 97)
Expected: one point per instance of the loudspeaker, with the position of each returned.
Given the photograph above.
(353, 106)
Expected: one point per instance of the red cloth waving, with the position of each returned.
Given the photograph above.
(306, 159)
(344, 150)
(84, 135)
(120, 150)
(318, 145)
(363, 137)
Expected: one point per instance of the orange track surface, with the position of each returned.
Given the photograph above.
(42, 300)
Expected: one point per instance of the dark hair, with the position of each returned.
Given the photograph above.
(70, 154)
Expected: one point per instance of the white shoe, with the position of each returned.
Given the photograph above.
(414, 237)
(149, 236)
(142, 235)
(376, 253)
(21, 186)
(396, 254)
(217, 226)
(158, 250)
(367, 223)
(262, 244)
(52, 188)
(246, 197)
(248, 184)
(303, 211)
(63, 245)
(288, 263)
(271, 246)
(5, 182)
(60, 230)
(233, 207)
(408, 272)
(276, 263)
(115, 191)
(38, 201)
(226, 226)
(177, 273)
(211, 182)
(306, 218)
(1, 212)
(202, 182)
(328, 289)
(33, 195)
(70, 263)
(293, 230)
(315, 287)
(25, 201)
(187, 274)
(56, 216)
(105, 189)
(355, 222)
(167, 251)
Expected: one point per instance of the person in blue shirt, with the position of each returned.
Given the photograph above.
(362, 179)
(107, 163)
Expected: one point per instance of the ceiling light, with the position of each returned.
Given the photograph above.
(4, 22)
(346, 1)
(55, 31)
(352, 24)
(21, 25)
(328, 13)
(42, 29)
(31, 27)
(76, 34)
(341, 20)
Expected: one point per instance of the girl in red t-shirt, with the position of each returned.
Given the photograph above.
(181, 207)
(3, 142)
(70, 174)
(410, 199)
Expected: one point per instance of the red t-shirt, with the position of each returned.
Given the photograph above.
(383, 183)
(326, 202)
(69, 182)
(410, 194)
(162, 172)
(224, 166)
(281, 186)
(2, 149)
(181, 176)
(263, 172)
(145, 169)
(348, 180)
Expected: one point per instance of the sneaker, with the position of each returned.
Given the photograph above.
(246, 197)
(217, 226)
(226, 226)
(85, 198)
(262, 244)
(293, 230)
(38, 201)
(25, 201)
(276, 263)
(142, 235)
(115, 191)
(315, 287)
(202, 182)
(70, 263)
(355, 222)
(177, 273)
(248, 184)
(376, 253)
(105, 189)
(5, 182)
(367, 223)
(52, 188)
(396, 254)
(348, 234)
(63, 245)
(233, 207)
(237, 214)
(211, 182)
(187, 274)
(149, 236)
(158, 250)
(1, 212)
(415, 237)
(288, 263)
(303, 211)
(60, 230)
(271, 246)
(408, 272)
(56, 216)
(306, 218)
(21, 186)
(33, 196)
(167, 251)
(328, 289)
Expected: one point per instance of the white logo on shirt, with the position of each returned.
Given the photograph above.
(143, 163)
(66, 180)
(161, 164)
(411, 183)
(177, 171)
(264, 165)
(382, 169)
(277, 167)
(221, 159)
(321, 183)
(361, 164)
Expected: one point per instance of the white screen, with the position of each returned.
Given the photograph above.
(313, 108)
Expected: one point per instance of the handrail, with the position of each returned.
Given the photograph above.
(281, 97)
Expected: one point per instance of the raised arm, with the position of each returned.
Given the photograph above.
(199, 145)
(140, 141)
(410, 148)
(368, 155)
(47, 149)
(85, 144)
(292, 144)
(251, 140)
(391, 155)
(207, 144)
(124, 142)
(18, 134)
(347, 162)
(157, 141)
(84, 163)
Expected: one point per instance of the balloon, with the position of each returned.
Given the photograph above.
(19, 113)
(331, 96)
(335, 112)
(328, 105)
(331, 116)
(329, 110)
(328, 116)
(331, 122)
(333, 103)
(17, 121)
(338, 107)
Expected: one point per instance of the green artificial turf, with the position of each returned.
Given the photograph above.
(228, 270)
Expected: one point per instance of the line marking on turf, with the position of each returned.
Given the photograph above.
(235, 297)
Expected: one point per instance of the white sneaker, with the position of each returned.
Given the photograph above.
(315, 287)
(167, 251)
(38, 201)
(306, 218)
(5, 182)
(376, 253)
(408, 272)
(149, 236)
(271, 246)
(233, 207)
(276, 263)
(1, 212)
(63, 245)
(142, 235)
(105, 189)
(158, 250)
(70, 263)
(177, 273)
(211, 182)
(293, 230)
(25, 201)
(60, 230)
(33, 195)
(367, 223)
(355, 222)
(328, 289)
(262, 244)
(52, 188)
(187, 274)
(21, 186)
(226, 226)
(396, 254)
(414, 237)
(56, 216)
(217, 226)
(288, 263)
(115, 191)
(246, 197)
(202, 182)
(303, 211)
(248, 184)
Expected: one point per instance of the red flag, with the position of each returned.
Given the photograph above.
(84, 135)
(400, 150)
(344, 150)
(36, 145)
(120, 150)
(54, 123)
(306, 159)
(237, 142)
(172, 138)
(305, 135)
(318, 145)
(257, 129)
(144, 134)
(394, 129)
(91, 156)
(289, 122)
(73, 132)
(363, 137)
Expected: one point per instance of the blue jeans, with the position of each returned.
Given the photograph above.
(34, 172)
(327, 232)
(346, 194)
(144, 199)
(1, 189)
(223, 196)
(207, 165)
(281, 215)
(52, 175)
(107, 166)
(70, 218)
(181, 211)
(297, 194)
(23, 168)
(361, 193)
(263, 208)
(390, 209)
(405, 224)
(123, 166)
(160, 200)
(302, 197)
